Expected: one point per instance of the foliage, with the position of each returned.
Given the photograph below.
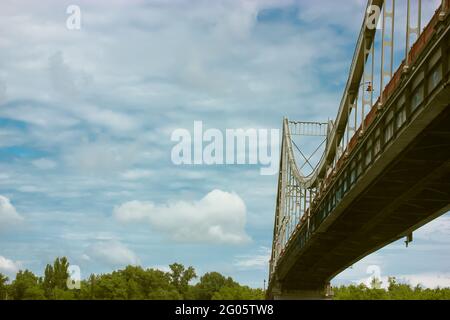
(180, 278)
(211, 283)
(55, 278)
(134, 282)
(394, 291)
(238, 292)
(3, 286)
(128, 284)
(26, 286)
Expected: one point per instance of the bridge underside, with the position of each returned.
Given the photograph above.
(412, 190)
(390, 178)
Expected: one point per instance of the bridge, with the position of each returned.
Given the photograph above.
(385, 166)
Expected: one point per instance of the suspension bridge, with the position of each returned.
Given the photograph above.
(385, 166)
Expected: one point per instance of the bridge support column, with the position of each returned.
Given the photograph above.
(319, 294)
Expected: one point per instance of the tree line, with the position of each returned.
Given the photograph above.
(134, 282)
(394, 291)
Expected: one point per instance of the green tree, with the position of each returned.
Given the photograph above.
(55, 278)
(210, 283)
(86, 291)
(27, 286)
(180, 277)
(395, 291)
(238, 292)
(130, 283)
(134, 282)
(3, 286)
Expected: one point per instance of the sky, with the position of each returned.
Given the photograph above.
(86, 117)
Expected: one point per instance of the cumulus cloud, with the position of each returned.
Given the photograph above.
(8, 266)
(8, 214)
(428, 280)
(238, 58)
(112, 253)
(219, 217)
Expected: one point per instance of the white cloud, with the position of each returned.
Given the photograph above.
(115, 121)
(133, 211)
(428, 280)
(163, 268)
(8, 266)
(101, 157)
(44, 117)
(210, 56)
(44, 164)
(219, 217)
(436, 230)
(333, 13)
(31, 189)
(136, 174)
(88, 236)
(2, 91)
(112, 253)
(8, 214)
(259, 261)
(85, 257)
(64, 79)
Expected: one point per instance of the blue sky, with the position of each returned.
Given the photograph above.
(86, 118)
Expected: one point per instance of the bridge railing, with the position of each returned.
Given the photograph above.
(392, 85)
(304, 202)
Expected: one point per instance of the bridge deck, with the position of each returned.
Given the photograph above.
(413, 190)
(394, 180)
